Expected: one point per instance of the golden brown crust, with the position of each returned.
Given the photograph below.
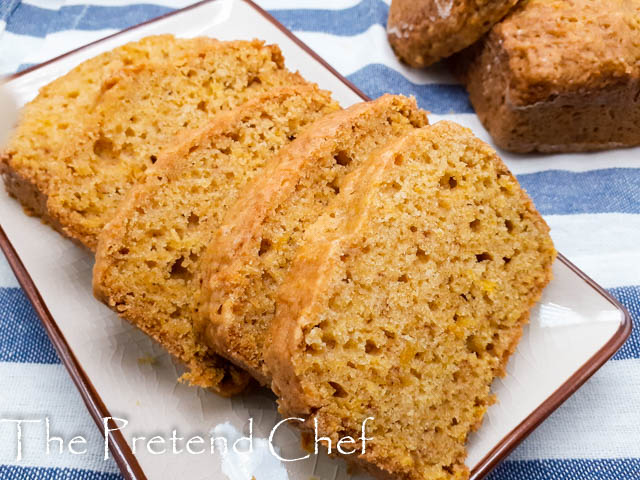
(538, 90)
(32, 199)
(297, 296)
(424, 31)
(34, 202)
(236, 276)
(309, 292)
(148, 258)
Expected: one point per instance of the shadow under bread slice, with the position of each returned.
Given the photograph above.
(149, 255)
(251, 251)
(405, 301)
(137, 110)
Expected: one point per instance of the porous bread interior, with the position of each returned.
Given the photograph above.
(407, 299)
(148, 259)
(45, 122)
(241, 286)
(140, 108)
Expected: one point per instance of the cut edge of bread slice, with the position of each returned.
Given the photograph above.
(149, 255)
(355, 337)
(161, 99)
(97, 156)
(24, 161)
(251, 249)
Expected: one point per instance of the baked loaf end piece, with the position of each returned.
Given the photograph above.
(139, 108)
(46, 121)
(558, 76)
(424, 31)
(250, 253)
(406, 300)
(149, 255)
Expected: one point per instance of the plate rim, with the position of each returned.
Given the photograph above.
(122, 453)
(516, 436)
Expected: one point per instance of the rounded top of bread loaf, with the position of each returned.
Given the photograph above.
(425, 31)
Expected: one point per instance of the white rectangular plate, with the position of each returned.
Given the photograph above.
(575, 328)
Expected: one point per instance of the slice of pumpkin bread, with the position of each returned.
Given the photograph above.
(252, 249)
(405, 301)
(46, 121)
(148, 256)
(139, 108)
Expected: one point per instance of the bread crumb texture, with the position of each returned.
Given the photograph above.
(250, 254)
(424, 31)
(149, 256)
(46, 122)
(557, 63)
(92, 134)
(406, 299)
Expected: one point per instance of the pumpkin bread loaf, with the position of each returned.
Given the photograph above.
(406, 299)
(251, 251)
(149, 255)
(422, 32)
(137, 109)
(559, 76)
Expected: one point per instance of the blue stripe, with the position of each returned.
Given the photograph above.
(38, 22)
(39, 473)
(23, 337)
(376, 80)
(348, 21)
(560, 192)
(630, 298)
(569, 469)
(7, 7)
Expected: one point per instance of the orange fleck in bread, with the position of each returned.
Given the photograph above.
(252, 249)
(149, 255)
(405, 301)
(129, 113)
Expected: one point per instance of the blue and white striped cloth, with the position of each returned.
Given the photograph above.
(593, 209)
